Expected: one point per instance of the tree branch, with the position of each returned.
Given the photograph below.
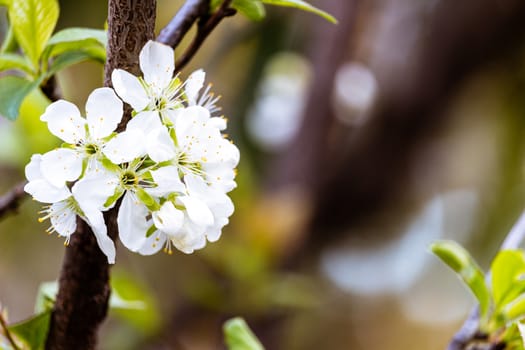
(82, 300)
(10, 201)
(206, 25)
(181, 23)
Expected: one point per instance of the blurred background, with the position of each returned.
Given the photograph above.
(361, 143)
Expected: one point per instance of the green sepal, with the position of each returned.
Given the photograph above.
(110, 165)
(147, 199)
(459, 260)
(119, 191)
(151, 230)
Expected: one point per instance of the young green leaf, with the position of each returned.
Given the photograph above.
(34, 330)
(13, 61)
(253, 9)
(514, 310)
(13, 91)
(302, 5)
(74, 39)
(33, 22)
(459, 260)
(239, 336)
(95, 53)
(506, 271)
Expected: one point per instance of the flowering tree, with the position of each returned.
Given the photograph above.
(148, 162)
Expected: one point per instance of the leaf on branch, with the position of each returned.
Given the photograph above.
(14, 61)
(302, 5)
(33, 331)
(253, 9)
(33, 21)
(507, 271)
(239, 336)
(459, 260)
(74, 39)
(66, 59)
(13, 91)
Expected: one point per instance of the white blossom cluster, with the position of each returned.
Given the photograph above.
(171, 166)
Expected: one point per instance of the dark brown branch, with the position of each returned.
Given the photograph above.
(10, 202)
(190, 11)
(51, 89)
(206, 25)
(84, 290)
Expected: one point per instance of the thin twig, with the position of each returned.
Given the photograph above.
(205, 27)
(181, 23)
(10, 201)
(7, 333)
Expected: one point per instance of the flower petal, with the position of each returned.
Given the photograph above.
(153, 243)
(103, 112)
(43, 191)
(64, 121)
(197, 210)
(95, 219)
(157, 64)
(160, 146)
(168, 219)
(193, 85)
(146, 121)
(63, 219)
(130, 89)
(167, 180)
(61, 165)
(132, 223)
(94, 189)
(32, 169)
(125, 147)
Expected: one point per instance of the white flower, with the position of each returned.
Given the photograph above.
(157, 90)
(207, 99)
(65, 206)
(85, 136)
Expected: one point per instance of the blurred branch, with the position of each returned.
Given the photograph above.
(458, 39)
(82, 300)
(51, 90)
(190, 11)
(10, 201)
(205, 26)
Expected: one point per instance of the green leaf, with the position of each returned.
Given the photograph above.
(5, 2)
(239, 336)
(33, 331)
(95, 53)
(459, 260)
(506, 270)
(119, 191)
(33, 22)
(514, 310)
(13, 61)
(253, 9)
(78, 34)
(13, 91)
(302, 5)
(75, 39)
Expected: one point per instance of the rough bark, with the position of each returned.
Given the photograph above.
(82, 300)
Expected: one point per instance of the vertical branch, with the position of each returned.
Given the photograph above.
(83, 295)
